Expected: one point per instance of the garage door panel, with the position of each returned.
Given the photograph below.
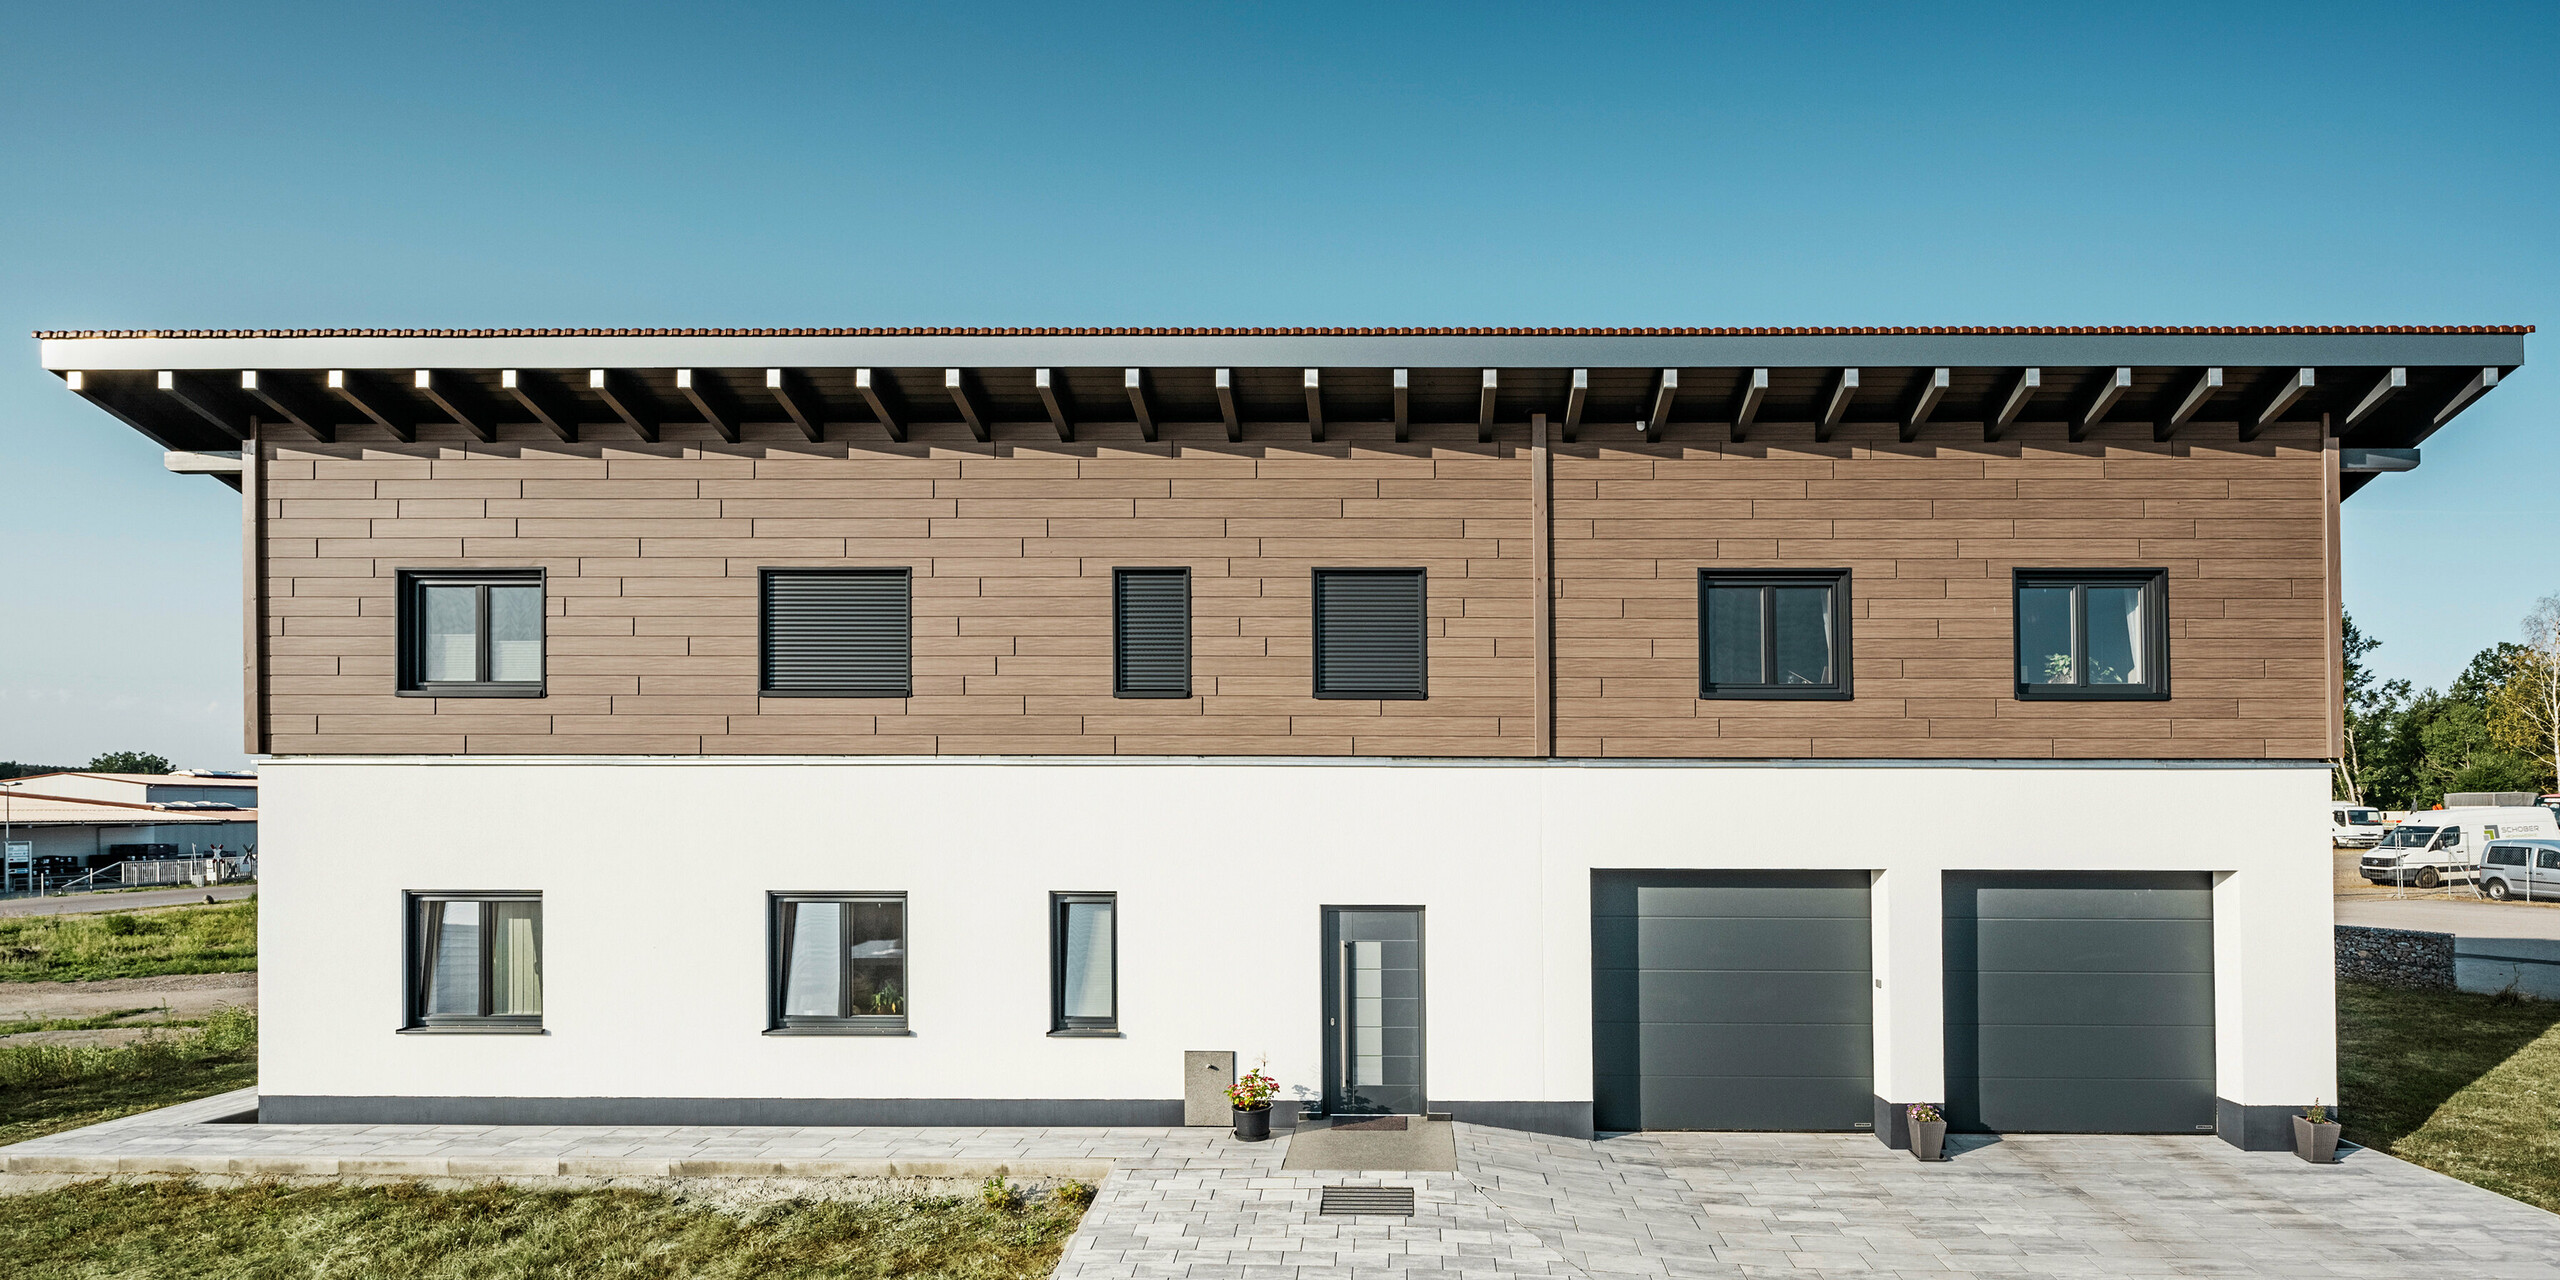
(1698, 942)
(2086, 946)
(1624, 1102)
(2082, 1053)
(2079, 1002)
(1647, 996)
(2006, 1105)
(1732, 1000)
(2119, 999)
(2127, 895)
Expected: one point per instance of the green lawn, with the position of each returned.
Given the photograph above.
(2466, 1085)
(48, 1088)
(130, 944)
(100, 1229)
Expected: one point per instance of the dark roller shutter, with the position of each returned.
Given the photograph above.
(1369, 633)
(836, 632)
(1151, 633)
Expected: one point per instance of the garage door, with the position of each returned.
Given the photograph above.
(2080, 1002)
(1731, 1000)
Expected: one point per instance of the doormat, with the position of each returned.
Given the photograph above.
(1373, 1122)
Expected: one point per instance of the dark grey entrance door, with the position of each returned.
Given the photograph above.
(2079, 1002)
(1731, 1000)
(1373, 1010)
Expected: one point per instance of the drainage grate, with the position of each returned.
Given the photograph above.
(1395, 1200)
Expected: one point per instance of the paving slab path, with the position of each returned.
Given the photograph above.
(1195, 1204)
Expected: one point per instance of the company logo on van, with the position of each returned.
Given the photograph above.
(2491, 832)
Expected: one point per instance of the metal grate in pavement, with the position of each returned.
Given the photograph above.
(1344, 1200)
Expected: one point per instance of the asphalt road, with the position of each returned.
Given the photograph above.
(121, 901)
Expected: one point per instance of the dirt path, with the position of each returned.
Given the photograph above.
(188, 996)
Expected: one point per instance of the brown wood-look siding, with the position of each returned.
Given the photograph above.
(652, 552)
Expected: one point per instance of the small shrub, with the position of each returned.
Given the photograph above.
(999, 1195)
(123, 924)
(1075, 1193)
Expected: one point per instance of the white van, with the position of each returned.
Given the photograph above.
(2354, 826)
(2436, 845)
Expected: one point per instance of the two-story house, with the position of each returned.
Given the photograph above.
(1564, 729)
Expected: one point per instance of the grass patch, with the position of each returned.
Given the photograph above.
(401, 1232)
(130, 944)
(47, 1088)
(2466, 1085)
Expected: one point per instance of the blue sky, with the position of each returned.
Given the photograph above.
(470, 165)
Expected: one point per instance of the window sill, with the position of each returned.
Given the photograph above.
(474, 691)
(1776, 694)
(838, 1031)
(1086, 1033)
(2031, 693)
(492, 1030)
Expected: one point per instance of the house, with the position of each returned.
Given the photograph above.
(1566, 729)
(62, 824)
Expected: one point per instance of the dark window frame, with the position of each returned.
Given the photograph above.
(1120, 637)
(1315, 633)
(2155, 634)
(411, 621)
(420, 964)
(764, 629)
(778, 963)
(1059, 1023)
(1840, 688)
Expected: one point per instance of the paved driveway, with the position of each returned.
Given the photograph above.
(120, 901)
(2457, 917)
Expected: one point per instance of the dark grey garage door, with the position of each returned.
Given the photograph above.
(2079, 1002)
(1731, 1000)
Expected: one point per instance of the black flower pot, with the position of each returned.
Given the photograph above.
(1253, 1124)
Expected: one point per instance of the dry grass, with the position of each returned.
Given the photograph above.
(2466, 1085)
(48, 1088)
(130, 944)
(401, 1232)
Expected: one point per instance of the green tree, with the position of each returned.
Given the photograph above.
(128, 762)
(21, 769)
(2370, 706)
(2524, 710)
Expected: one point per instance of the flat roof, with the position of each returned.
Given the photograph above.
(2381, 386)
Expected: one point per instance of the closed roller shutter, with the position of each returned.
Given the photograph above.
(1369, 634)
(1732, 1000)
(2079, 1002)
(836, 632)
(1151, 633)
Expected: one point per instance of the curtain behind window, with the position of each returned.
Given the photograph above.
(1087, 980)
(515, 962)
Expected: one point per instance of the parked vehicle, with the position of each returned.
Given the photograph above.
(2437, 845)
(2354, 826)
(2527, 869)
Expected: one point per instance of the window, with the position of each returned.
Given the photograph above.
(1084, 963)
(1151, 633)
(2505, 855)
(475, 961)
(471, 633)
(2548, 860)
(2092, 634)
(1773, 634)
(835, 633)
(840, 963)
(1369, 634)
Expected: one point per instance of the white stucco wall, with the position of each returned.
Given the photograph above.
(654, 875)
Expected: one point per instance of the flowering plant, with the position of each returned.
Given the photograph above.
(1252, 1089)
(2317, 1114)
(1926, 1113)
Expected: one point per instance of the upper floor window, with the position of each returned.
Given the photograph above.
(2092, 633)
(840, 962)
(1773, 634)
(475, 961)
(1151, 633)
(471, 632)
(1369, 634)
(836, 633)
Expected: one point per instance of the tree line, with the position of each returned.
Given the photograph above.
(103, 762)
(2496, 727)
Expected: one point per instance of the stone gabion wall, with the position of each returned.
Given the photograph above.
(2395, 957)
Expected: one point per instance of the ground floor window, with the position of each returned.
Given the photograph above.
(1084, 968)
(475, 961)
(840, 962)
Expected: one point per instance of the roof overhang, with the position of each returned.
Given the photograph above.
(198, 391)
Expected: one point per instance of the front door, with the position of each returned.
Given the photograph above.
(1373, 1010)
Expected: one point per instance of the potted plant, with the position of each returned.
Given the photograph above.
(1250, 1095)
(2315, 1135)
(1928, 1131)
